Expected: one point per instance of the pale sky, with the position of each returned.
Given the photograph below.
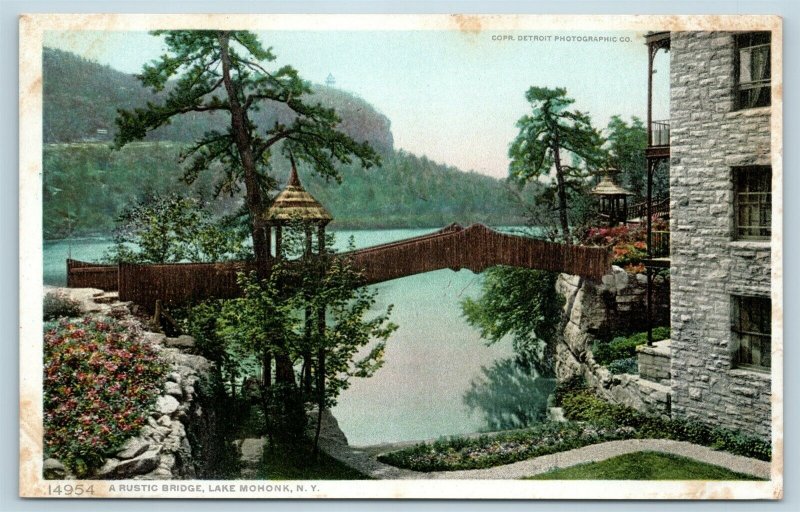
(450, 95)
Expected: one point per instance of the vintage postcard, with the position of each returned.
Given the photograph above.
(401, 256)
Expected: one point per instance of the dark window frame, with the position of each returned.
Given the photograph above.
(751, 329)
(752, 189)
(754, 93)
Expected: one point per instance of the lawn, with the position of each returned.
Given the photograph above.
(299, 464)
(644, 466)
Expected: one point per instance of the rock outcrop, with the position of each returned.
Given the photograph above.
(593, 309)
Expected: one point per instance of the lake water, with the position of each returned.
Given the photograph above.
(439, 377)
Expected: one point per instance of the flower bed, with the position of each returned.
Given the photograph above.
(488, 451)
(628, 243)
(100, 380)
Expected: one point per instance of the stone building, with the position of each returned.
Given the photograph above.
(721, 225)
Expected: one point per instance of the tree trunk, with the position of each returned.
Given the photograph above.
(241, 136)
(562, 192)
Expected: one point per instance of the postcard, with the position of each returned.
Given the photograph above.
(401, 256)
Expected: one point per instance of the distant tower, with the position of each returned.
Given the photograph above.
(330, 81)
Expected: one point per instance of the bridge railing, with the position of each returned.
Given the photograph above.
(476, 248)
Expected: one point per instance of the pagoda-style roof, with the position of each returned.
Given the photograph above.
(294, 203)
(607, 186)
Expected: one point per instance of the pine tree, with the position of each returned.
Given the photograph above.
(224, 72)
(547, 137)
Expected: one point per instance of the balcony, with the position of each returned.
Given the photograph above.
(658, 140)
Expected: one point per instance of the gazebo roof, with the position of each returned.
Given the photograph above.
(607, 187)
(294, 203)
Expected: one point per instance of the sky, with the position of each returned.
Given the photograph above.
(451, 95)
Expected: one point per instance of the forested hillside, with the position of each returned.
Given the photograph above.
(87, 184)
(82, 97)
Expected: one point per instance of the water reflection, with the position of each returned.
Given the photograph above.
(509, 395)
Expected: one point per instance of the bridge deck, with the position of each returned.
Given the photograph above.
(475, 248)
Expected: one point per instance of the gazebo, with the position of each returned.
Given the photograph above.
(613, 198)
(295, 205)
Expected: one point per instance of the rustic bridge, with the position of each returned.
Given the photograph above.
(475, 248)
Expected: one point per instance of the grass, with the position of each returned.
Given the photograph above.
(644, 466)
(298, 463)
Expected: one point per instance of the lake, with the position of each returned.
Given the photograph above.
(439, 377)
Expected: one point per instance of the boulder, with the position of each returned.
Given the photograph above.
(173, 388)
(182, 341)
(53, 469)
(144, 463)
(166, 404)
(108, 468)
(133, 447)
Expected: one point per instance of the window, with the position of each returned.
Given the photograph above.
(753, 70)
(752, 188)
(751, 332)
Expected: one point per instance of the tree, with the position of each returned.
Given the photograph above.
(547, 138)
(224, 72)
(269, 321)
(173, 229)
(522, 303)
(626, 144)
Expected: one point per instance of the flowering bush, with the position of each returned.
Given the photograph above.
(628, 243)
(100, 379)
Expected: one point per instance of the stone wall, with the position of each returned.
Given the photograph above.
(163, 449)
(655, 361)
(708, 138)
(595, 309)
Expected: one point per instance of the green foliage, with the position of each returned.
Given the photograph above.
(524, 304)
(644, 466)
(584, 406)
(100, 381)
(628, 365)
(623, 347)
(554, 136)
(488, 451)
(57, 305)
(87, 186)
(408, 191)
(224, 71)
(269, 320)
(172, 229)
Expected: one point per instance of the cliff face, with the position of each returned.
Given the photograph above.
(618, 303)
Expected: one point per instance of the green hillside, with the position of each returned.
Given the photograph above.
(87, 184)
(82, 97)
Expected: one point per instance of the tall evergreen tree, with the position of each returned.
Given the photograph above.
(224, 71)
(549, 137)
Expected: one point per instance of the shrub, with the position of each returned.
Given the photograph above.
(627, 365)
(100, 380)
(567, 387)
(58, 305)
(583, 405)
(624, 347)
(628, 243)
